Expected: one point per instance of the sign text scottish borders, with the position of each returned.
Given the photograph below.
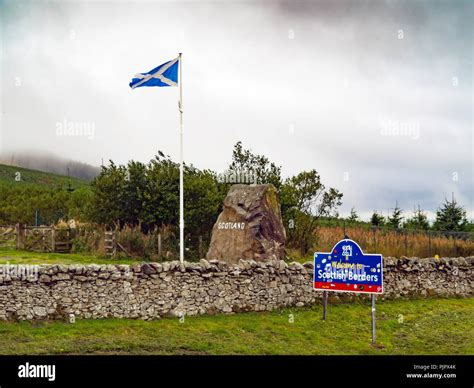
(347, 269)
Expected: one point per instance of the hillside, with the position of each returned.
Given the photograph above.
(48, 162)
(10, 174)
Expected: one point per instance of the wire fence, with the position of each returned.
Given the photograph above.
(163, 244)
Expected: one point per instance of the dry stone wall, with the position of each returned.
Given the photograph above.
(154, 290)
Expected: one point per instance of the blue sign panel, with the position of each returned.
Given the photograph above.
(347, 269)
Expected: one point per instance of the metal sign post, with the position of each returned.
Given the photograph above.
(348, 269)
(373, 318)
(325, 304)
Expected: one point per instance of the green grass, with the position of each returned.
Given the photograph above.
(433, 326)
(35, 177)
(14, 256)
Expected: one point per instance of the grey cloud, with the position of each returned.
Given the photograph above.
(315, 99)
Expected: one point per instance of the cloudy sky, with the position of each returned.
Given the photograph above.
(377, 96)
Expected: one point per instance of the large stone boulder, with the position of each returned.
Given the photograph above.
(250, 226)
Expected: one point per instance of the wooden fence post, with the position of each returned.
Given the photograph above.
(429, 243)
(200, 247)
(53, 240)
(406, 243)
(159, 244)
(20, 236)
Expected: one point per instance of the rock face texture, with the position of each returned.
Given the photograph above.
(153, 290)
(250, 226)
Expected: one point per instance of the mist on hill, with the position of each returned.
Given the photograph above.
(48, 162)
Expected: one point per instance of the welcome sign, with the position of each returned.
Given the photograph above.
(347, 269)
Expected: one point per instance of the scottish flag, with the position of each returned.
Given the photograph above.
(163, 75)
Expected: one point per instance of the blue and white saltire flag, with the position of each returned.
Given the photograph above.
(163, 75)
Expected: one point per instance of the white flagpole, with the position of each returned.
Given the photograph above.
(181, 188)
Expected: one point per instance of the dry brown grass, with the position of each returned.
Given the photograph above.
(396, 243)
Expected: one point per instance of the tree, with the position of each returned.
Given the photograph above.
(304, 200)
(161, 196)
(353, 217)
(80, 204)
(257, 166)
(202, 201)
(418, 221)
(109, 201)
(20, 203)
(395, 220)
(148, 195)
(451, 217)
(377, 219)
(136, 182)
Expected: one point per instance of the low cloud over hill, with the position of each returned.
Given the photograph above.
(49, 162)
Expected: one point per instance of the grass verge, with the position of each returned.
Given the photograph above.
(13, 256)
(430, 326)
